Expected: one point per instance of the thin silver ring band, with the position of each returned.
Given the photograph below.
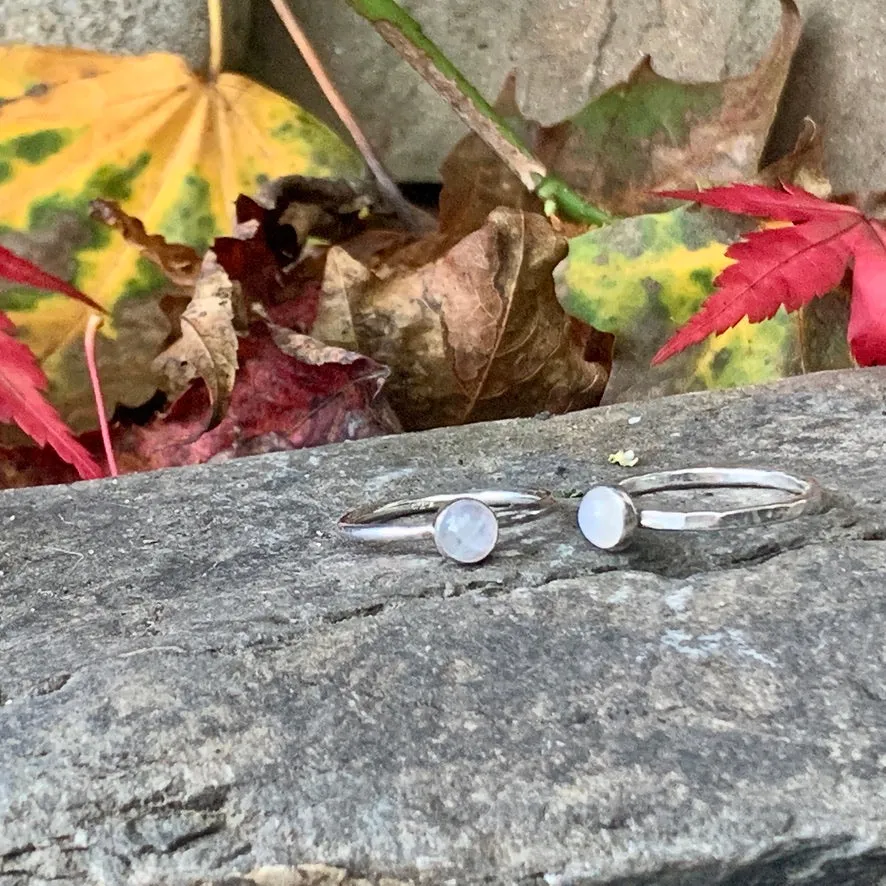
(614, 503)
(501, 507)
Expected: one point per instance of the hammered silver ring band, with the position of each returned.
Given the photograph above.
(608, 515)
(465, 525)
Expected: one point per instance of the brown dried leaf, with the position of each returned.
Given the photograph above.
(180, 263)
(804, 166)
(477, 334)
(208, 343)
(476, 181)
(344, 277)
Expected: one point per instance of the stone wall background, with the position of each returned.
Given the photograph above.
(562, 49)
(565, 49)
(127, 25)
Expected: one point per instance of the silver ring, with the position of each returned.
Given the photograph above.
(465, 527)
(608, 517)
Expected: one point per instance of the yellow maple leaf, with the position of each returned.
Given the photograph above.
(173, 148)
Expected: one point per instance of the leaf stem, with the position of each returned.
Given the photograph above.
(92, 326)
(405, 34)
(408, 214)
(216, 38)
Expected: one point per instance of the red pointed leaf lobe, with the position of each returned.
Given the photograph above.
(21, 401)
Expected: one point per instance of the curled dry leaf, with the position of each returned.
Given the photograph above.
(803, 166)
(180, 263)
(478, 333)
(208, 343)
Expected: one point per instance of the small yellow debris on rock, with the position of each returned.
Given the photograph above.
(624, 457)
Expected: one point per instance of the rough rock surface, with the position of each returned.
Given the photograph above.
(127, 26)
(565, 50)
(200, 679)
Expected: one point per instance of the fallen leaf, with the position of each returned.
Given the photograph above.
(641, 277)
(260, 256)
(21, 401)
(315, 352)
(314, 875)
(653, 133)
(172, 148)
(344, 279)
(180, 263)
(478, 333)
(208, 343)
(475, 180)
(789, 266)
(303, 394)
(867, 320)
(803, 166)
(17, 269)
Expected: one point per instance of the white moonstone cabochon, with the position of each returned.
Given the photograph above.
(606, 517)
(466, 530)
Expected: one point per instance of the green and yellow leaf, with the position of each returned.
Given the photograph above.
(644, 134)
(173, 149)
(643, 277)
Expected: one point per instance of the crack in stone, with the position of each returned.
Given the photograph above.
(370, 611)
(18, 852)
(185, 840)
(51, 684)
(595, 86)
(210, 799)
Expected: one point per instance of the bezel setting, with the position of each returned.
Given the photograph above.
(608, 517)
(456, 542)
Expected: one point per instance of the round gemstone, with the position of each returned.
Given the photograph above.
(466, 530)
(607, 517)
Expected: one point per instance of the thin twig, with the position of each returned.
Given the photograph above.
(92, 325)
(409, 214)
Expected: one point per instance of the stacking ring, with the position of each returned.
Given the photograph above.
(465, 528)
(608, 516)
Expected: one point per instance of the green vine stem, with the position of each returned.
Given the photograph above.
(404, 33)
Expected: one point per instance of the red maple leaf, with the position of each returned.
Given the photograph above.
(312, 395)
(792, 265)
(22, 380)
(21, 401)
(19, 270)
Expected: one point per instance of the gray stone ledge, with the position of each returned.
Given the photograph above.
(200, 678)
